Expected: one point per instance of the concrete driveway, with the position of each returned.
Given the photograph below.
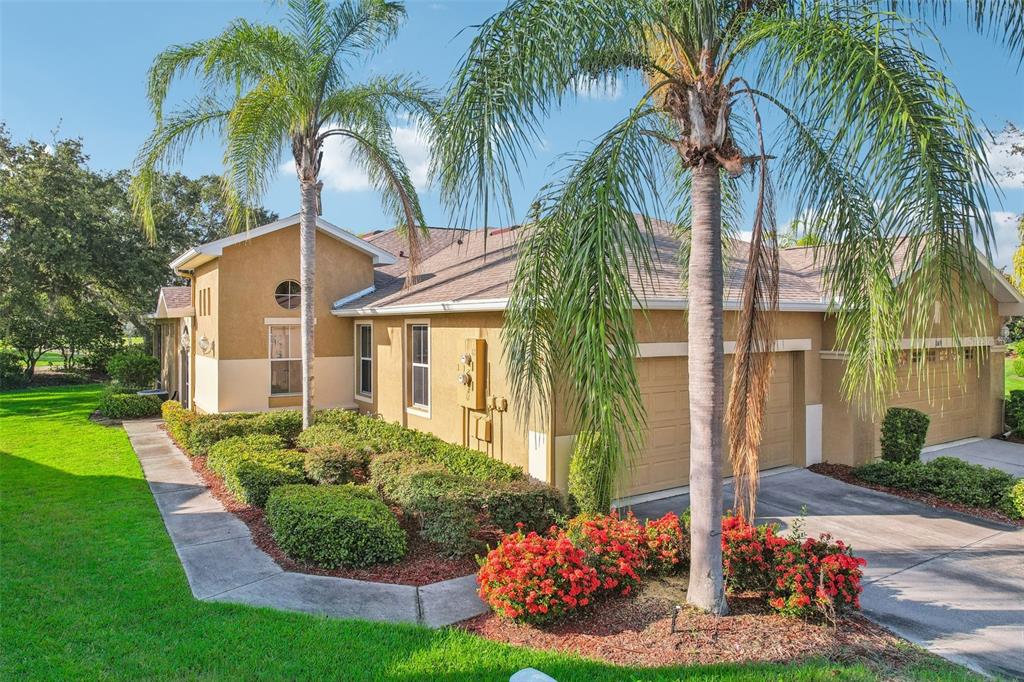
(999, 454)
(949, 582)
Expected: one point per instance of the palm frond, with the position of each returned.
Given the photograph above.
(752, 363)
(521, 63)
(580, 340)
(906, 130)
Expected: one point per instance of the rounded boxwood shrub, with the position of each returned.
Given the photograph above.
(589, 490)
(903, 434)
(120, 404)
(1018, 366)
(134, 368)
(333, 464)
(334, 525)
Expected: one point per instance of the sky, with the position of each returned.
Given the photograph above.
(77, 69)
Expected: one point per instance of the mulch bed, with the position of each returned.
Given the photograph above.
(845, 474)
(421, 565)
(639, 631)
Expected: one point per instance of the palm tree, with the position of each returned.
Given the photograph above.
(266, 90)
(874, 143)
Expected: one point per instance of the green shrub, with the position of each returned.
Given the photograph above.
(224, 454)
(12, 370)
(207, 429)
(334, 525)
(179, 422)
(536, 505)
(119, 404)
(251, 480)
(590, 491)
(347, 419)
(903, 434)
(1013, 502)
(134, 369)
(946, 477)
(253, 465)
(334, 464)
(324, 435)
(1014, 412)
(1018, 366)
(284, 423)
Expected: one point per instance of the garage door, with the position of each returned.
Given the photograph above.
(665, 462)
(954, 400)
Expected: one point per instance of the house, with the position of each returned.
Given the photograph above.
(429, 355)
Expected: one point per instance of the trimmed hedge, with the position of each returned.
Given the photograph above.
(454, 509)
(334, 525)
(591, 492)
(179, 422)
(903, 434)
(252, 466)
(209, 429)
(1018, 366)
(950, 478)
(334, 464)
(122, 404)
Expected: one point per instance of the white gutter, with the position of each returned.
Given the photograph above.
(352, 297)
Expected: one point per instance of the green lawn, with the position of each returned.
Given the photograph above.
(91, 587)
(1012, 381)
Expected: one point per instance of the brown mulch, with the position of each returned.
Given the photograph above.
(639, 631)
(845, 474)
(421, 565)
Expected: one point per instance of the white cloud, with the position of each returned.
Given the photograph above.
(1004, 224)
(1008, 168)
(600, 89)
(339, 173)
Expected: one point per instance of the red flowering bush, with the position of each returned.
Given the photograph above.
(535, 578)
(816, 575)
(747, 554)
(668, 544)
(615, 547)
(800, 576)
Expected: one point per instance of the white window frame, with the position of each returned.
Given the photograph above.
(411, 407)
(358, 394)
(289, 296)
(271, 361)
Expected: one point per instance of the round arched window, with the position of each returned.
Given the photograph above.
(287, 294)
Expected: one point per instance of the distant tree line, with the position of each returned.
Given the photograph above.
(76, 271)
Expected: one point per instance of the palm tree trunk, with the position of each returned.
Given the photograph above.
(307, 267)
(707, 392)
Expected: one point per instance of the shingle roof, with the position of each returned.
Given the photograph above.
(455, 267)
(176, 297)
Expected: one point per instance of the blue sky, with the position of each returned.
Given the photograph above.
(81, 66)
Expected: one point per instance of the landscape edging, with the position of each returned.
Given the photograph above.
(222, 563)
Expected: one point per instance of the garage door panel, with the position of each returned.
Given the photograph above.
(949, 398)
(665, 461)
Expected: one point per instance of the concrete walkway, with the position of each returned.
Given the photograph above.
(223, 564)
(949, 582)
(989, 452)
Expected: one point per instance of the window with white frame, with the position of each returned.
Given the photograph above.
(420, 363)
(364, 337)
(285, 360)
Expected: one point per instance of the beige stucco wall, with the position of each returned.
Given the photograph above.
(234, 374)
(447, 418)
(250, 272)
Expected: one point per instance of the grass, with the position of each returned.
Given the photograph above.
(1011, 381)
(92, 588)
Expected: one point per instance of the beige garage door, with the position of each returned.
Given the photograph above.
(950, 400)
(665, 462)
